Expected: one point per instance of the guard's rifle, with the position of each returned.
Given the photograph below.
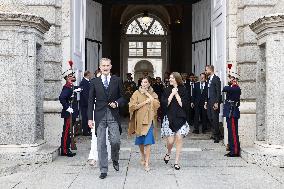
(72, 133)
(72, 128)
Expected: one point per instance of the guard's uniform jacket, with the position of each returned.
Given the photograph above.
(65, 99)
(232, 113)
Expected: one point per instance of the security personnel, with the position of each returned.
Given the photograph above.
(232, 114)
(65, 99)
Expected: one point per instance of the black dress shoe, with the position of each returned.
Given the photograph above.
(103, 175)
(116, 165)
(232, 155)
(216, 141)
(68, 154)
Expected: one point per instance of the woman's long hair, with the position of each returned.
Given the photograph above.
(177, 77)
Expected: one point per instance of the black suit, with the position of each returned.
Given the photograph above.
(103, 97)
(84, 96)
(190, 87)
(214, 96)
(199, 98)
(106, 117)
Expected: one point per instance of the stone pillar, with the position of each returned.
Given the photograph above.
(21, 60)
(270, 35)
(22, 79)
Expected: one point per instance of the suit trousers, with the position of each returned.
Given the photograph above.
(200, 113)
(108, 121)
(213, 116)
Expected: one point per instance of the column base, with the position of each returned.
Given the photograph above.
(264, 154)
(40, 152)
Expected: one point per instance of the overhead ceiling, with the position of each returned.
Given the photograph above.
(152, 2)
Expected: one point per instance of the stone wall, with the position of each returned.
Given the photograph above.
(247, 57)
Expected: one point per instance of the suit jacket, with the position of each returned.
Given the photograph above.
(97, 92)
(189, 90)
(84, 95)
(199, 98)
(214, 90)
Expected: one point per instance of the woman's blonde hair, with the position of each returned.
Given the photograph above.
(177, 77)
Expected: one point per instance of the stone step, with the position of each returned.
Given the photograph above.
(8, 168)
(45, 154)
(263, 155)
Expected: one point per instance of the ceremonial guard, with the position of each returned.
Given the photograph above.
(69, 111)
(232, 114)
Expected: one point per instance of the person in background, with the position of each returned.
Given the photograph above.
(84, 96)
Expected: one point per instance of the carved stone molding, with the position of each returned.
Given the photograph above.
(24, 20)
(268, 24)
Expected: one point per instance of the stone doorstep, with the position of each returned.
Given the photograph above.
(45, 154)
(262, 154)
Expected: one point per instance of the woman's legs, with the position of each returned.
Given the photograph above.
(170, 143)
(141, 147)
(147, 156)
(178, 140)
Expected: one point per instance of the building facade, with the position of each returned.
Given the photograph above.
(38, 37)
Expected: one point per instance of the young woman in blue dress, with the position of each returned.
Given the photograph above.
(143, 107)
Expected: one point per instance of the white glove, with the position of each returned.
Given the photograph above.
(78, 90)
(70, 110)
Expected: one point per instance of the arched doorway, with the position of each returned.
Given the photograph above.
(141, 68)
(145, 39)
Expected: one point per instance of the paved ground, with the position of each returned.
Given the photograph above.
(203, 165)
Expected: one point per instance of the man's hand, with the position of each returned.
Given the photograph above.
(112, 104)
(192, 105)
(70, 110)
(205, 106)
(215, 106)
(91, 124)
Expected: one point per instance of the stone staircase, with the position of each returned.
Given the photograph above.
(264, 154)
(12, 158)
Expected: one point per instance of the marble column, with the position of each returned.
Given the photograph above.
(270, 36)
(22, 78)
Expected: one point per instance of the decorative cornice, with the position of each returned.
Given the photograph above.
(24, 20)
(272, 23)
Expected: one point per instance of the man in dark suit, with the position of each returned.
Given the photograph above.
(106, 92)
(213, 101)
(199, 98)
(188, 81)
(84, 96)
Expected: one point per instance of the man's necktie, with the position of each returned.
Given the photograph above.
(106, 83)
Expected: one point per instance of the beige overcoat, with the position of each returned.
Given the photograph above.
(141, 119)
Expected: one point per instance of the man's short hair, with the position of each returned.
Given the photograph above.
(211, 67)
(105, 60)
(86, 73)
(191, 74)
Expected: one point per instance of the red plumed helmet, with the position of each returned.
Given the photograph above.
(70, 62)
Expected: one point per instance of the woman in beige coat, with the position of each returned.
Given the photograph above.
(143, 108)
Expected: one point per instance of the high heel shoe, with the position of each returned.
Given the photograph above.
(147, 168)
(177, 167)
(167, 160)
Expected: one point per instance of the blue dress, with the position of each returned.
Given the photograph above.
(148, 139)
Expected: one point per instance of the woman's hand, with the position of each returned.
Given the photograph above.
(174, 91)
